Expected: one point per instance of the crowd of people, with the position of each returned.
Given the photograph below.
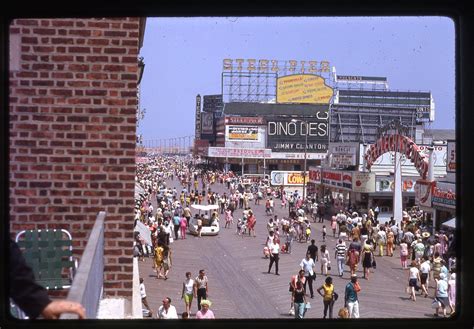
(360, 237)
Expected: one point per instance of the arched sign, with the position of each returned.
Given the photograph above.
(401, 144)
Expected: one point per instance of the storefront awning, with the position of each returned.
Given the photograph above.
(450, 223)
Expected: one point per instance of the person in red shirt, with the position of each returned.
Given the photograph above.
(251, 221)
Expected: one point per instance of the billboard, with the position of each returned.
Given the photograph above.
(315, 175)
(387, 184)
(242, 133)
(423, 192)
(197, 118)
(244, 120)
(303, 88)
(212, 103)
(284, 135)
(207, 123)
(444, 195)
(200, 146)
(451, 157)
(343, 155)
(363, 182)
(339, 179)
(287, 178)
(424, 114)
(245, 136)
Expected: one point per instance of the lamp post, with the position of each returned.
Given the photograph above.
(305, 154)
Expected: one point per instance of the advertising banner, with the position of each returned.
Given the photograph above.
(242, 133)
(284, 135)
(244, 120)
(451, 157)
(228, 152)
(444, 195)
(303, 88)
(387, 184)
(343, 155)
(200, 146)
(339, 179)
(212, 103)
(363, 182)
(287, 178)
(207, 123)
(423, 192)
(315, 175)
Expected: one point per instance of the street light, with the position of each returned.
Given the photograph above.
(305, 158)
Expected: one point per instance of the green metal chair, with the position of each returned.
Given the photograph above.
(49, 254)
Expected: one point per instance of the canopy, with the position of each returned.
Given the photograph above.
(450, 223)
(204, 207)
(144, 232)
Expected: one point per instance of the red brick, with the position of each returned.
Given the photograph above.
(82, 33)
(115, 51)
(61, 56)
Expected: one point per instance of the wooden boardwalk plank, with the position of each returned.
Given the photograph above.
(240, 287)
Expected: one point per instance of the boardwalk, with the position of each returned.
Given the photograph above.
(239, 286)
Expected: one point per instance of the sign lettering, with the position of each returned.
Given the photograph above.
(401, 144)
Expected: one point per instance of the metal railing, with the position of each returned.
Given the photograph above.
(89, 279)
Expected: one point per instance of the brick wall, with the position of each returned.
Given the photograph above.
(73, 99)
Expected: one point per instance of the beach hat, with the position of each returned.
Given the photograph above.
(425, 235)
(442, 276)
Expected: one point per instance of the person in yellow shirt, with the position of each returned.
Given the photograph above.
(329, 296)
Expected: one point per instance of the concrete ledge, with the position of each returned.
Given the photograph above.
(137, 312)
(112, 308)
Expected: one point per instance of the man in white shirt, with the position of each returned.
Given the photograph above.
(167, 311)
(341, 217)
(274, 255)
(143, 295)
(425, 269)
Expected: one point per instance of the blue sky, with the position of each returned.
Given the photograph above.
(183, 58)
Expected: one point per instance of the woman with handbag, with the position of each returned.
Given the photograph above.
(367, 260)
(325, 260)
(329, 296)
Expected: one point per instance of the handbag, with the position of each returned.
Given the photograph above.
(329, 266)
(307, 305)
(374, 263)
(335, 296)
(313, 276)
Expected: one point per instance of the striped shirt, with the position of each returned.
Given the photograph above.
(341, 250)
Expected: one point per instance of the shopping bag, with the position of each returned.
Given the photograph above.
(307, 305)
